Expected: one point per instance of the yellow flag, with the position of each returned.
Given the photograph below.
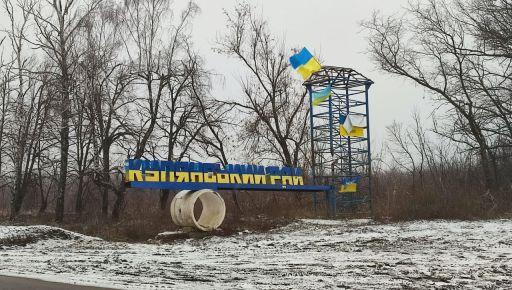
(356, 132)
(350, 187)
(309, 68)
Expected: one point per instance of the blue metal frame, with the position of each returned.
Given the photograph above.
(335, 156)
(368, 141)
(314, 189)
(227, 186)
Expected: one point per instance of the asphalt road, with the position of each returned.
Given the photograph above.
(16, 283)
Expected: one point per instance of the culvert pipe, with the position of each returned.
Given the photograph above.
(212, 215)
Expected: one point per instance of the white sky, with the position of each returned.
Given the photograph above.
(331, 29)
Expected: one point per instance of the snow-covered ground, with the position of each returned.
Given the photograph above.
(305, 254)
(17, 235)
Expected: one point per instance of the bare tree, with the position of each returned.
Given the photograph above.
(58, 25)
(5, 95)
(179, 118)
(105, 80)
(47, 171)
(29, 110)
(275, 120)
(216, 138)
(81, 139)
(490, 22)
(433, 47)
(151, 58)
(163, 69)
(410, 149)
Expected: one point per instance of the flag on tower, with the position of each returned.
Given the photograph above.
(349, 184)
(320, 96)
(352, 125)
(305, 63)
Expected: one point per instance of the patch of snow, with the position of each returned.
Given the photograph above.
(305, 254)
(170, 233)
(336, 222)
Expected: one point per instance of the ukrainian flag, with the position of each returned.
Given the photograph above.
(320, 96)
(349, 184)
(305, 63)
(352, 126)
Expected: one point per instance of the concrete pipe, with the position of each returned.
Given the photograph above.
(212, 215)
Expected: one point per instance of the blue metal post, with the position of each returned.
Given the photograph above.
(311, 130)
(367, 87)
(331, 202)
(347, 103)
(331, 145)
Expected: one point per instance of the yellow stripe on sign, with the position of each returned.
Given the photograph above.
(260, 179)
(274, 179)
(298, 180)
(152, 176)
(235, 178)
(134, 175)
(287, 180)
(196, 176)
(182, 176)
(247, 178)
(210, 177)
(222, 178)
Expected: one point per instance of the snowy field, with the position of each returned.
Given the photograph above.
(306, 254)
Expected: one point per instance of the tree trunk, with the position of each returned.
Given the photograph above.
(65, 107)
(64, 151)
(485, 154)
(118, 205)
(16, 201)
(105, 176)
(79, 195)
(43, 206)
(235, 200)
(164, 197)
(487, 169)
(17, 194)
(119, 202)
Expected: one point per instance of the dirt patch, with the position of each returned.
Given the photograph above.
(23, 235)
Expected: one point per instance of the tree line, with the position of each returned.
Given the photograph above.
(85, 85)
(460, 53)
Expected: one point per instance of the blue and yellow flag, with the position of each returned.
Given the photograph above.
(320, 96)
(305, 63)
(349, 184)
(352, 126)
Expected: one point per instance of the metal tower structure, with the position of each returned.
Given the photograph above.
(334, 156)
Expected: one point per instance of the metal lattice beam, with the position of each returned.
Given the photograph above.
(335, 156)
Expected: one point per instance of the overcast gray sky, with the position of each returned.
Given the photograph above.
(331, 29)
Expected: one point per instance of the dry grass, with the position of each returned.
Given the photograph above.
(395, 197)
(459, 194)
(143, 219)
